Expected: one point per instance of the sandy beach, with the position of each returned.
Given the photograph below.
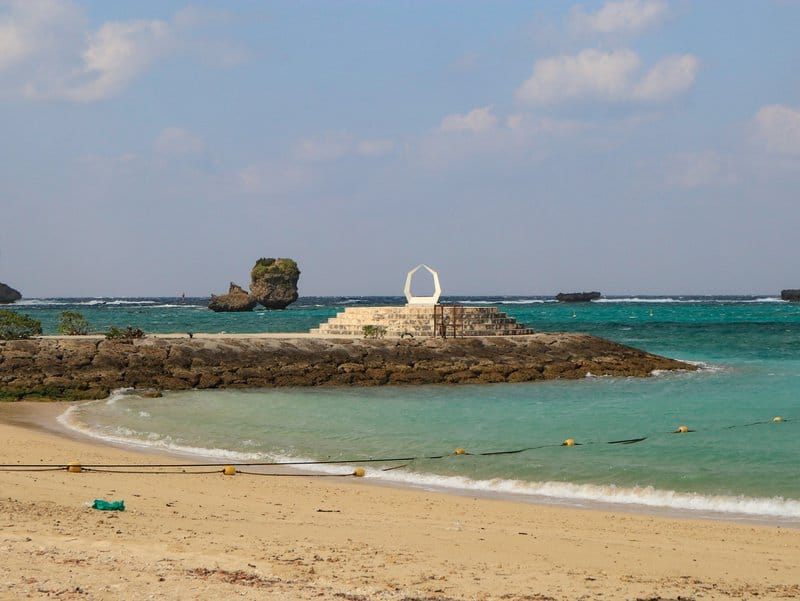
(210, 536)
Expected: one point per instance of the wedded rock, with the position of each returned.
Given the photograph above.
(8, 294)
(237, 299)
(791, 295)
(577, 297)
(273, 282)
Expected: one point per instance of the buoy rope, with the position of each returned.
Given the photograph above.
(296, 475)
(179, 468)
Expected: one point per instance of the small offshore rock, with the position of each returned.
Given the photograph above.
(273, 282)
(237, 299)
(577, 297)
(8, 294)
(791, 295)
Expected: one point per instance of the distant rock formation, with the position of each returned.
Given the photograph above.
(273, 282)
(791, 295)
(237, 299)
(8, 294)
(577, 297)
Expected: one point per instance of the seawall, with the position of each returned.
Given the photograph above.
(89, 367)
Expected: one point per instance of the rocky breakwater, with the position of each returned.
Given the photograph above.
(90, 367)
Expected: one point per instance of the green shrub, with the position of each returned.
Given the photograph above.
(124, 333)
(15, 326)
(72, 323)
(371, 331)
(266, 266)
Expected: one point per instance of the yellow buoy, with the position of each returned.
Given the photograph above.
(682, 430)
(359, 472)
(74, 467)
(777, 418)
(229, 470)
(459, 451)
(569, 442)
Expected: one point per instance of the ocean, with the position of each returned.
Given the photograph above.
(734, 463)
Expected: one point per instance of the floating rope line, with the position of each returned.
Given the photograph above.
(229, 469)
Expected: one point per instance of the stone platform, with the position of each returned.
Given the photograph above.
(423, 321)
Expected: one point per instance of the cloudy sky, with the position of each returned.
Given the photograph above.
(154, 147)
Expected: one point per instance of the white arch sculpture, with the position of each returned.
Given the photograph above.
(423, 300)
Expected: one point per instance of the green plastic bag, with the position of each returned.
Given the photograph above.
(106, 506)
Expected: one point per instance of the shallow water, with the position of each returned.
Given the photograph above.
(737, 460)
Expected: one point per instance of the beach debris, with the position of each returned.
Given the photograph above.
(359, 472)
(229, 470)
(108, 505)
(74, 467)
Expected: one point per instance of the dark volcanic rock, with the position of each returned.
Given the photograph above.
(791, 295)
(91, 366)
(577, 297)
(8, 294)
(273, 282)
(237, 299)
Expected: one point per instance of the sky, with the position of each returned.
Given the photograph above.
(160, 147)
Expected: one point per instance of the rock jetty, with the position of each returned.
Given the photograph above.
(237, 299)
(577, 297)
(91, 366)
(8, 294)
(791, 295)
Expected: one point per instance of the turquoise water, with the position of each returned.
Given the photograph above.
(737, 462)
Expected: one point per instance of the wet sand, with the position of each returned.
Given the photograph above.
(210, 536)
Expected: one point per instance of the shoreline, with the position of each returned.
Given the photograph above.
(204, 536)
(46, 417)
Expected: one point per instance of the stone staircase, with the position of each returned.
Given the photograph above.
(418, 321)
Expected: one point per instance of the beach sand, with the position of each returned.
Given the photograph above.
(210, 536)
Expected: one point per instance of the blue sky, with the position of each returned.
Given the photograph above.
(627, 146)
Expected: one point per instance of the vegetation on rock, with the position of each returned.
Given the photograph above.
(269, 266)
(124, 333)
(15, 326)
(72, 323)
(372, 331)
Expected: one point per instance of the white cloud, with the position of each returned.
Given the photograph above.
(273, 178)
(48, 51)
(178, 143)
(337, 145)
(477, 120)
(626, 17)
(700, 169)
(31, 29)
(328, 147)
(778, 128)
(609, 76)
(374, 148)
(669, 77)
(116, 54)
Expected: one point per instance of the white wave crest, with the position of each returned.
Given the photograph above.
(644, 496)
